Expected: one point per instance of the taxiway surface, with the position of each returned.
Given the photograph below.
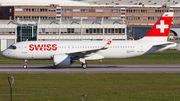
(92, 68)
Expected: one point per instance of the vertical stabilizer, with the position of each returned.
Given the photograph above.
(160, 31)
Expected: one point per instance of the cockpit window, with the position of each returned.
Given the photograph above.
(12, 47)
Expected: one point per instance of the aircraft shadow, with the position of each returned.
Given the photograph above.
(53, 67)
(71, 67)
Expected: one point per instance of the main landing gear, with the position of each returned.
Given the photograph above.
(84, 65)
(25, 64)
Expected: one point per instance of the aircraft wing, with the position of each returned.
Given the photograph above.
(83, 53)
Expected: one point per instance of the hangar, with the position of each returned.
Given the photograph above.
(82, 19)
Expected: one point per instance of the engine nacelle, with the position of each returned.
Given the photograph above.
(62, 60)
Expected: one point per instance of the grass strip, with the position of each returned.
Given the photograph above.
(98, 87)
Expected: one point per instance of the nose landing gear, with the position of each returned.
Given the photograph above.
(25, 64)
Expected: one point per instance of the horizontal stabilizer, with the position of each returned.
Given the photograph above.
(164, 44)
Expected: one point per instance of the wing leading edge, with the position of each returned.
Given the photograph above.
(83, 53)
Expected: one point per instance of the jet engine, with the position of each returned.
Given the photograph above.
(62, 60)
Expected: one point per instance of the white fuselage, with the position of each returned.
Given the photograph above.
(116, 50)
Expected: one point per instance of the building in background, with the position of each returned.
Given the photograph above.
(82, 19)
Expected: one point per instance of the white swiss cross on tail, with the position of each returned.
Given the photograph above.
(160, 31)
(162, 26)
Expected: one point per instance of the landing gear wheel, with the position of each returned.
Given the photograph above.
(84, 65)
(25, 66)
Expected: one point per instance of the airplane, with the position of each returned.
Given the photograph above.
(64, 53)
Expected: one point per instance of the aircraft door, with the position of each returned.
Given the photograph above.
(140, 47)
(24, 48)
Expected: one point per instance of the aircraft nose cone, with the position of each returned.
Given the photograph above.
(4, 54)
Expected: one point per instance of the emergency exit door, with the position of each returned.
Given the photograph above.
(140, 47)
(24, 48)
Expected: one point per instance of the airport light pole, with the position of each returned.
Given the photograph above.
(11, 81)
(84, 97)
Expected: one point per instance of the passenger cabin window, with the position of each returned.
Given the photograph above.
(12, 47)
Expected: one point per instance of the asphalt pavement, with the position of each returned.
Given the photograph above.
(92, 68)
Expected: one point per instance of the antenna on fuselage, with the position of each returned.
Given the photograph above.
(26, 39)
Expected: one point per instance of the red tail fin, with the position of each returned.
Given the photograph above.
(161, 28)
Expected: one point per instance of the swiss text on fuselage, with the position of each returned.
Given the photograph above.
(43, 47)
